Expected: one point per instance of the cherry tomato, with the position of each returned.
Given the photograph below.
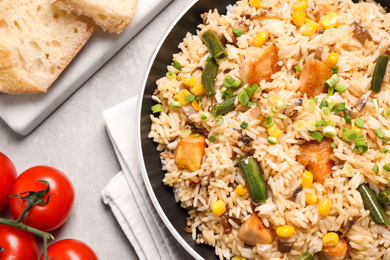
(18, 244)
(7, 179)
(70, 249)
(56, 212)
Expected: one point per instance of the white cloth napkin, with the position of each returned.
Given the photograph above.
(126, 193)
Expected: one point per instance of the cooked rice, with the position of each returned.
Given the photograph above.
(219, 173)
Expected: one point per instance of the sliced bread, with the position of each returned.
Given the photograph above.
(112, 15)
(37, 41)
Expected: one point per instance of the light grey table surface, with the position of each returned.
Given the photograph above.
(74, 140)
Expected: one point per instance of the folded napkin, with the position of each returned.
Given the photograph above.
(127, 195)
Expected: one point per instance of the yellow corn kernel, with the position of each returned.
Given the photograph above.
(260, 39)
(355, 128)
(285, 231)
(300, 5)
(330, 20)
(241, 190)
(198, 90)
(238, 258)
(307, 30)
(274, 131)
(332, 60)
(218, 208)
(311, 197)
(324, 207)
(189, 82)
(255, 3)
(299, 17)
(330, 239)
(312, 23)
(307, 179)
(196, 106)
(181, 96)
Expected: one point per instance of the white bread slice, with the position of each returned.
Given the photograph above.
(112, 15)
(37, 41)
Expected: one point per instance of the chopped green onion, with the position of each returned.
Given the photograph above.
(340, 88)
(361, 137)
(347, 118)
(236, 84)
(348, 170)
(249, 91)
(196, 135)
(224, 89)
(219, 119)
(175, 104)
(255, 87)
(272, 140)
(228, 81)
(375, 168)
(244, 125)
(212, 139)
(335, 69)
(199, 99)
(386, 168)
(361, 146)
(275, 108)
(380, 133)
(384, 150)
(299, 125)
(251, 104)
(243, 98)
(171, 75)
(186, 131)
(269, 121)
(330, 122)
(156, 99)
(190, 98)
(349, 135)
(204, 117)
(376, 103)
(238, 31)
(332, 106)
(311, 125)
(359, 123)
(177, 65)
(321, 123)
(325, 111)
(333, 146)
(342, 106)
(386, 113)
(318, 136)
(314, 99)
(385, 140)
(274, 99)
(309, 105)
(298, 69)
(330, 91)
(281, 104)
(157, 108)
(323, 104)
(330, 83)
(329, 131)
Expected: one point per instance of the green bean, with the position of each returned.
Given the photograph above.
(379, 73)
(254, 179)
(223, 107)
(371, 203)
(214, 45)
(305, 256)
(384, 197)
(209, 76)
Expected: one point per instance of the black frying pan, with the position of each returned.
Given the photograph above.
(162, 196)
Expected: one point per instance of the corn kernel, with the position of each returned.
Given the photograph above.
(238, 258)
(189, 82)
(312, 23)
(196, 106)
(332, 60)
(300, 5)
(299, 18)
(285, 231)
(241, 190)
(274, 131)
(324, 207)
(330, 239)
(355, 128)
(307, 179)
(311, 197)
(260, 39)
(181, 96)
(255, 3)
(218, 208)
(330, 20)
(198, 90)
(307, 30)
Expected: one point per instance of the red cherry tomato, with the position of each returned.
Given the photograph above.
(56, 212)
(18, 244)
(70, 249)
(7, 179)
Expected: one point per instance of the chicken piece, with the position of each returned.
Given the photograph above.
(315, 157)
(337, 252)
(254, 232)
(260, 65)
(313, 77)
(189, 152)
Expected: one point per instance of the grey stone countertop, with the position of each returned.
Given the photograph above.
(74, 140)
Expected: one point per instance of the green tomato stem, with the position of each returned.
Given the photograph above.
(1, 249)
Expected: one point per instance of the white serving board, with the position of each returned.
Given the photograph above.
(23, 113)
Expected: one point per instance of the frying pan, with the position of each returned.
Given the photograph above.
(171, 213)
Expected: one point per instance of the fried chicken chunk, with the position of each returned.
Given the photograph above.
(189, 152)
(337, 252)
(313, 77)
(254, 232)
